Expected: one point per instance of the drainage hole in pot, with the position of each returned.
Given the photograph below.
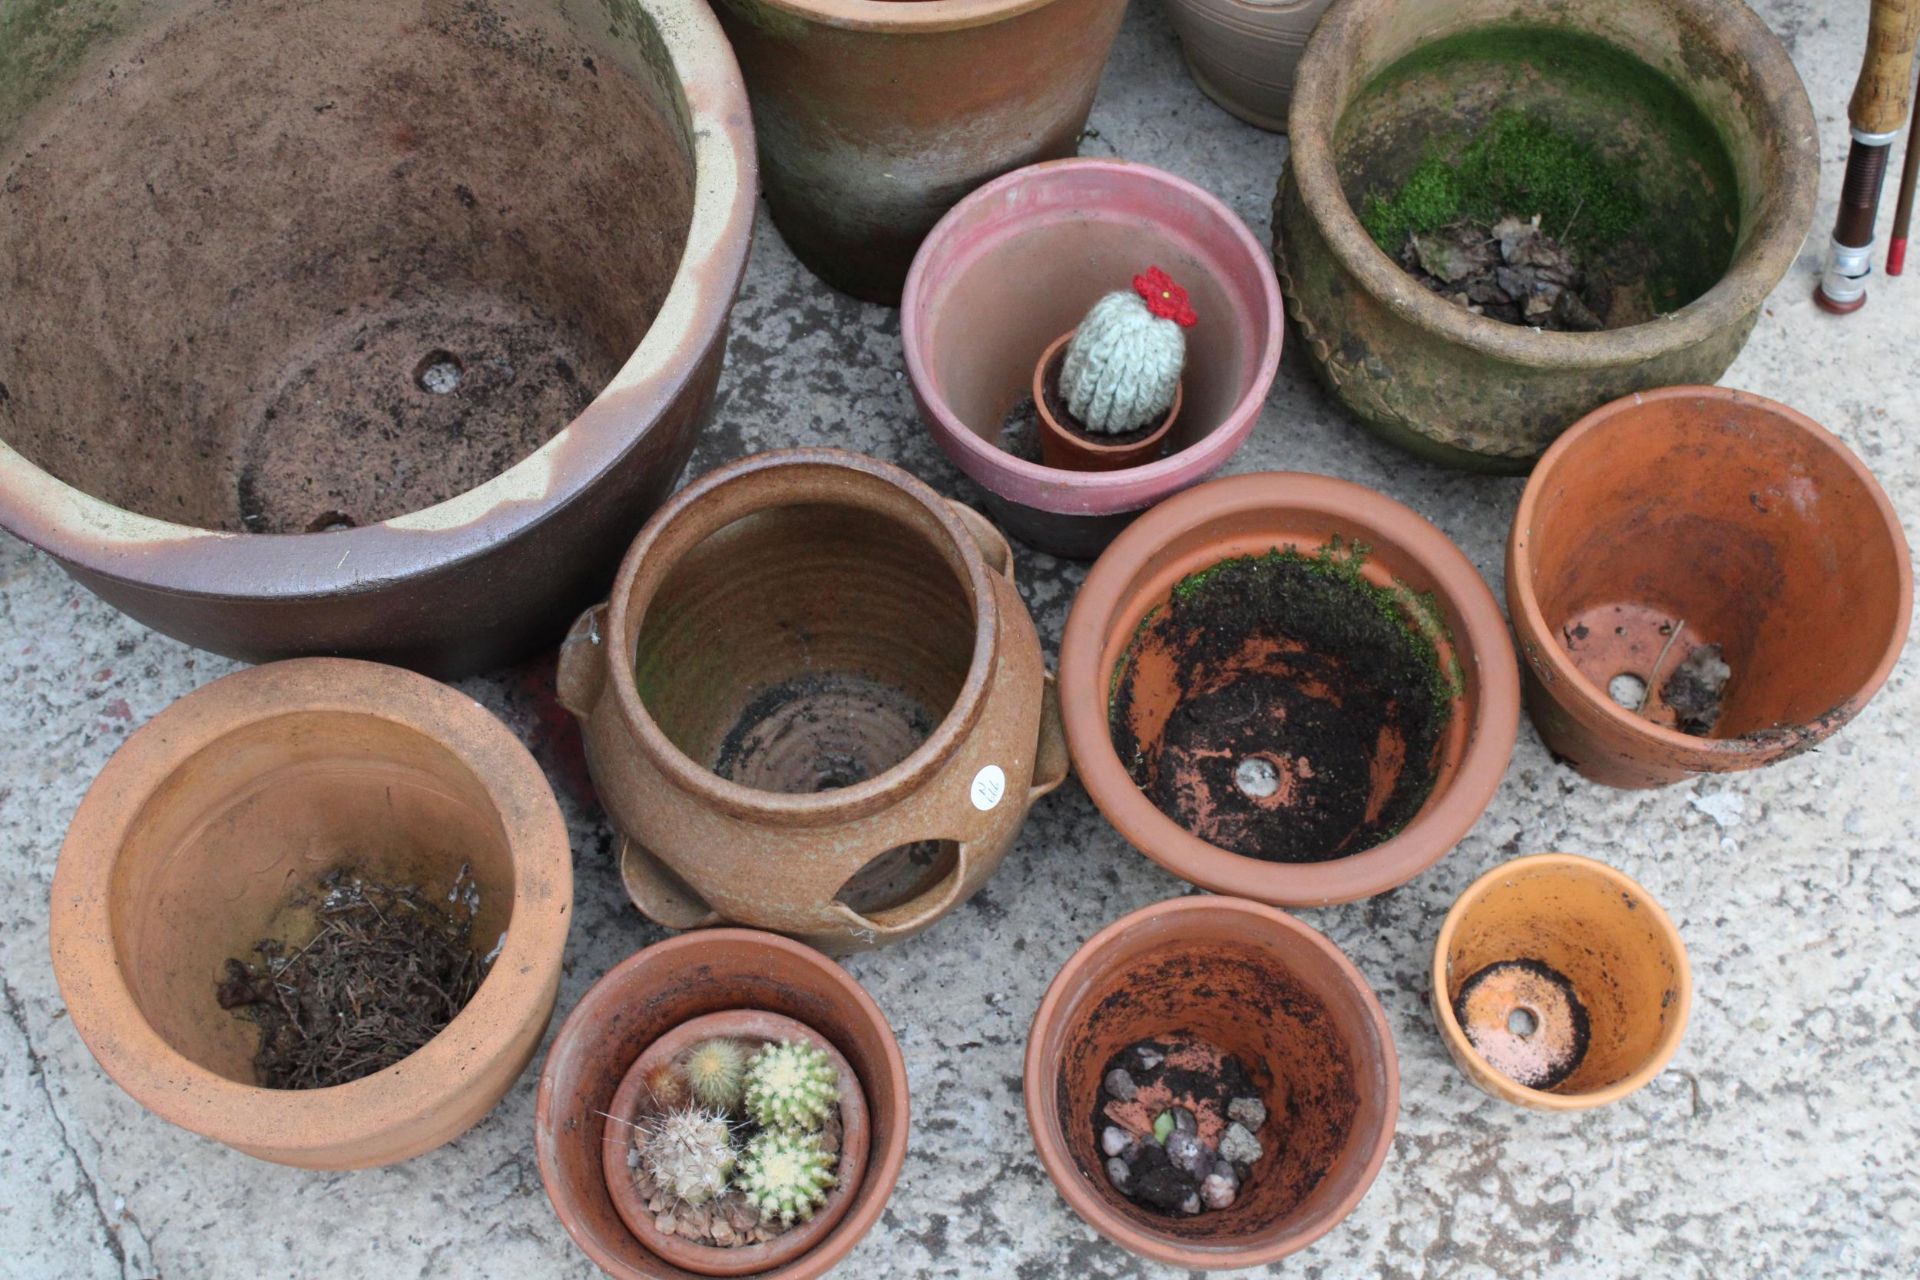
(1628, 690)
(1523, 1022)
(438, 373)
(1257, 777)
(329, 522)
(1526, 1020)
(899, 878)
(1180, 1124)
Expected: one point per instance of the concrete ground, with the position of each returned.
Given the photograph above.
(1783, 1141)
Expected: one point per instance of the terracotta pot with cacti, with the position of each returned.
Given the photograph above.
(724, 1103)
(315, 911)
(1702, 580)
(1289, 688)
(815, 703)
(1559, 984)
(1050, 250)
(1211, 1083)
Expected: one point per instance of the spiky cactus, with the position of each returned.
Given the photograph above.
(1123, 365)
(787, 1174)
(792, 1085)
(689, 1152)
(716, 1071)
(666, 1084)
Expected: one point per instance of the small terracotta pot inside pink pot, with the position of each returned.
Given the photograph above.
(1674, 520)
(1069, 449)
(1108, 650)
(651, 993)
(1018, 263)
(1269, 990)
(752, 1026)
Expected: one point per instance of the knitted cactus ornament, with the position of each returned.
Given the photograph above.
(787, 1174)
(792, 1085)
(1123, 365)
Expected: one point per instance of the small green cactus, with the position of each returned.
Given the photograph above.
(792, 1085)
(1123, 366)
(689, 1152)
(787, 1174)
(716, 1071)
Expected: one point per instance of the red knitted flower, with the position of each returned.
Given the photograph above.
(1165, 298)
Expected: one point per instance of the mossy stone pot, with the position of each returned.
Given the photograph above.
(397, 385)
(189, 844)
(1691, 518)
(1111, 649)
(1695, 97)
(815, 702)
(1605, 948)
(875, 116)
(1263, 987)
(648, 995)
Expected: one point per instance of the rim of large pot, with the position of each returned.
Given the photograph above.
(1719, 753)
(1322, 93)
(85, 531)
(906, 17)
(277, 1123)
(690, 517)
(1042, 1093)
(606, 1000)
(1448, 814)
(1096, 493)
(1456, 1037)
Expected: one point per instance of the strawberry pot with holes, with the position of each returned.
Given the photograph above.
(815, 703)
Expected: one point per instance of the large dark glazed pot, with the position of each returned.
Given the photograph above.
(302, 354)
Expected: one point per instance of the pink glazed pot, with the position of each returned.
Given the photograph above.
(1016, 264)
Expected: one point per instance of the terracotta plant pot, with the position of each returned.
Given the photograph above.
(1069, 448)
(1118, 674)
(1582, 930)
(752, 1025)
(424, 349)
(875, 116)
(815, 702)
(1242, 53)
(671, 983)
(1684, 525)
(186, 848)
(1261, 986)
(1018, 263)
(1695, 98)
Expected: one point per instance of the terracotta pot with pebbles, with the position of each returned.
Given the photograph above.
(1559, 984)
(400, 386)
(725, 1103)
(1288, 687)
(1498, 214)
(1702, 580)
(1211, 1083)
(1022, 261)
(315, 911)
(815, 703)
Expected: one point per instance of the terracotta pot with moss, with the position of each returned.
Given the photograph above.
(1289, 688)
(1224, 1030)
(653, 1010)
(1559, 984)
(1702, 581)
(257, 826)
(1497, 215)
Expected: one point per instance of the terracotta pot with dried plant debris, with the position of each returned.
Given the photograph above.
(340, 879)
(1559, 984)
(721, 1103)
(1702, 580)
(815, 703)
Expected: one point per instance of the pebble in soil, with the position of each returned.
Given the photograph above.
(1178, 1124)
(385, 970)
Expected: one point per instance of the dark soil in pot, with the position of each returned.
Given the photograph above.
(1526, 1019)
(271, 274)
(1057, 406)
(1177, 1118)
(1283, 707)
(361, 975)
(1624, 188)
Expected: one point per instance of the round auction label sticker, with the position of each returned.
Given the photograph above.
(989, 785)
